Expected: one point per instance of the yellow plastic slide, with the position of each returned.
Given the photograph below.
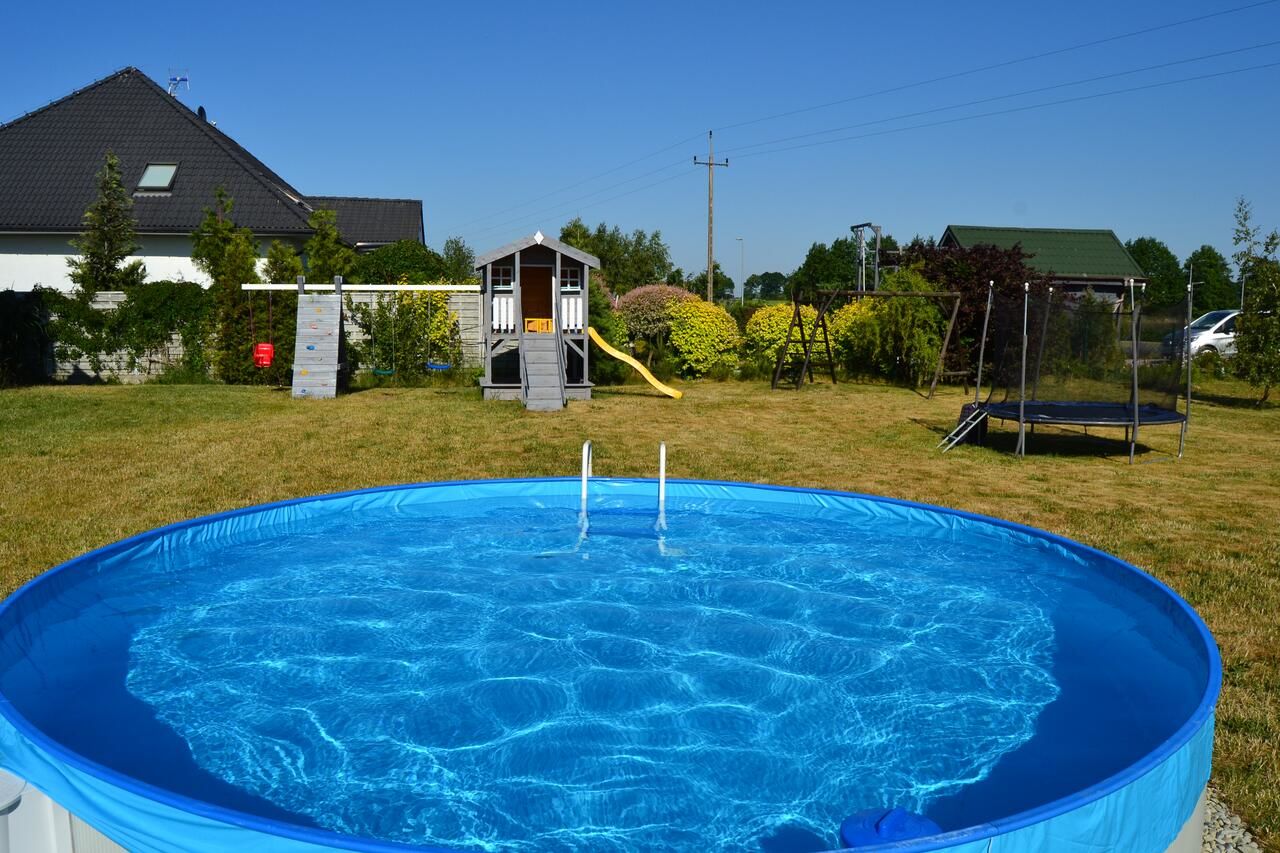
(622, 356)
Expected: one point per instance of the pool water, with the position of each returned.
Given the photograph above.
(497, 680)
(492, 674)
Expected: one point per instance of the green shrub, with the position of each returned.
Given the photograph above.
(705, 338)
(24, 336)
(405, 331)
(603, 369)
(405, 261)
(853, 337)
(140, 327)
(767, 332)
(898, 338)
(153, 312)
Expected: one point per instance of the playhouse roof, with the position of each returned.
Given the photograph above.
(537, 239)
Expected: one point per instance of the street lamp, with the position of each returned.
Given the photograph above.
(742, 269)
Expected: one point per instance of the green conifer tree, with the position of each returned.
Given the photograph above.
(327, 256)
(229, 256)
(108, 238)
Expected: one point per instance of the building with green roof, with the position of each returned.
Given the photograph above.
(1077, 258)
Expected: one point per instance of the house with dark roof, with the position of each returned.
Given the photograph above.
(1079, 259)
(172, 158)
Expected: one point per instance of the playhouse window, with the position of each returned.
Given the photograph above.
(502, 277)
(570, 279)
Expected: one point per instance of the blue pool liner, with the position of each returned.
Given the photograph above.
(1137, 810)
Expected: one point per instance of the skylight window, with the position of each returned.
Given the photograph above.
(157, 177)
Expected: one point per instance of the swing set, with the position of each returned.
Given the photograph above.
(393, 320)
(264, 352)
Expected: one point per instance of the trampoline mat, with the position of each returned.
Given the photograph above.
(1084, 414)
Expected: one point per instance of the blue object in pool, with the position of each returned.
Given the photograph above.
(881, 826)
(462, 666)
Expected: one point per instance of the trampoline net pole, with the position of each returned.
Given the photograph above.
(1186, 342)
(1133, 360)
(982, 343)
(1044, 336)
(1022, 383)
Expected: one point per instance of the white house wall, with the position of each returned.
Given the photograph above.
(28, 260)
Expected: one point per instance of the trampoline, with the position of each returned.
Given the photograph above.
(518, 666)
(1084, 413)
(1078, 359)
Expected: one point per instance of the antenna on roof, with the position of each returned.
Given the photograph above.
(177, 80)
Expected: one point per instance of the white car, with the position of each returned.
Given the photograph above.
(1212, 332)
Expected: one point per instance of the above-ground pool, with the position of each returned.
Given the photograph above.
(477, 666)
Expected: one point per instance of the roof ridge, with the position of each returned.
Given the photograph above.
(368, 198)
(120, 72)
(1035, 228)
(221, 139)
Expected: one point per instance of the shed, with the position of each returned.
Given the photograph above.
(1078, 258)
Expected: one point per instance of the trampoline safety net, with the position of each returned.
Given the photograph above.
(1075, 363)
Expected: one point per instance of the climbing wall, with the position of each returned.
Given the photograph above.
(317, 354)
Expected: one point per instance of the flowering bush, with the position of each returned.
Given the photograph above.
(647, 310)
(704, 337)
(767, 331)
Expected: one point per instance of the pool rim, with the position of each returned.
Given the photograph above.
(1202, 714)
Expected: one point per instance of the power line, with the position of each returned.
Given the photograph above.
(899, 88)
(568, 187)
(1010, 110)
(534, 214)
(575, 209)
(941, 122)
(1024, 92)
(996, 65)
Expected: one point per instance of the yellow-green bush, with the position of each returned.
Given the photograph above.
(767, 331)
(853, 335)
(898, 338)
(704, 337)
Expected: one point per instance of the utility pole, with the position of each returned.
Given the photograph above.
(742, 268)
(711, 164)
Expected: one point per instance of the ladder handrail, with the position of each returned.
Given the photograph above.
(963, 428)
(662, 485)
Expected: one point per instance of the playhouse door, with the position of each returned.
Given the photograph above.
(535, 299)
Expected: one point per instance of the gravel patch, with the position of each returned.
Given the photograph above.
(1223, 831)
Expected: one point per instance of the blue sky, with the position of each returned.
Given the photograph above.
(491, 113)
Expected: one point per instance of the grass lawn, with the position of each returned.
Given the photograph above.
(83, 466)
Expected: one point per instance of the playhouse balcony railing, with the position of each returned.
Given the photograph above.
(504, 314)
(571, 313)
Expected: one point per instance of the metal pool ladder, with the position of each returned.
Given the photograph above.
(583, 521)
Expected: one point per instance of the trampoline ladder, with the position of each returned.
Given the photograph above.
(962, 429)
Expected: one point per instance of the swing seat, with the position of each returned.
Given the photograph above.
(432, 365)
(382, 371)
(263, 354)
